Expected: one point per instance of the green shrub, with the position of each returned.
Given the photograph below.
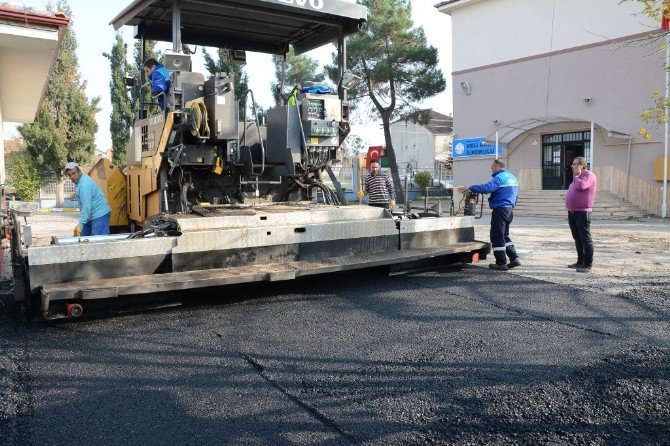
(423, 180)
(25, 175)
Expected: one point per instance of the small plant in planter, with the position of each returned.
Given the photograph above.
(423, 180)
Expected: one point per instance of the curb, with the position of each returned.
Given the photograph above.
(47, 210)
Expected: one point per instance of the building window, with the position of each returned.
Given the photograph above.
(558, 152)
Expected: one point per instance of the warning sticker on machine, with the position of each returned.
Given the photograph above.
(314, 141)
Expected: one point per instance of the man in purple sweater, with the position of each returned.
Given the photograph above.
(579, 201)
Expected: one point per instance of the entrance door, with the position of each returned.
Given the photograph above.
(558, 152)
(572, 151)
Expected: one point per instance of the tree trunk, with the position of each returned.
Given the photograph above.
(60, 194)
(390, 153)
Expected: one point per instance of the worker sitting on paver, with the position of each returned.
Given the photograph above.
(160, 80)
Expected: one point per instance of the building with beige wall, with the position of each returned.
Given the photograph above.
(29, 43)
(424, 146)
(555, 79)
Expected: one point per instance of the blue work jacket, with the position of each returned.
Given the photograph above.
(503, 187)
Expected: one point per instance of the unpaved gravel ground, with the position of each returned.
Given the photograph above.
(632, 257)
(465, 356)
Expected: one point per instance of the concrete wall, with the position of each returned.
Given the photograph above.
(413, 144)
(526, 59)
(493, 31)
(619, 79)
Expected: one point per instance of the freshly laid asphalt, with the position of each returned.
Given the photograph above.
(463, 355)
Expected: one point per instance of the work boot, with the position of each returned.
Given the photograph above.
(584, 269)
(576, 265)
(498, 267)
(514, 263)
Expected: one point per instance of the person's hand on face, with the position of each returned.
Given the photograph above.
(577, 168)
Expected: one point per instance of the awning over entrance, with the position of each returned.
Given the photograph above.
(511, 131)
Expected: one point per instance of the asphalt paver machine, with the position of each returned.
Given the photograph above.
(215, 200)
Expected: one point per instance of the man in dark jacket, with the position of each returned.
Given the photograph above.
(504, 190)
(160, 80)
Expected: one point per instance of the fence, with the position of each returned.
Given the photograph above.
(48, 191)
(442, 175)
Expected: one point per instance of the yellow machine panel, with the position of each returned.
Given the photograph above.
(142, 179)
(113, 184)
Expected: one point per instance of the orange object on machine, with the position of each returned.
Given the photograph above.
(112, 181)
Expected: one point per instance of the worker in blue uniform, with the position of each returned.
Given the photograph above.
(504, 190)
(160, 80)
(94, 212)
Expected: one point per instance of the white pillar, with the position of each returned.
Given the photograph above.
(593, 145)
(2, 150)
(496, 144)
(664, 206)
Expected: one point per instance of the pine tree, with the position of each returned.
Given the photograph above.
(299, 68)
(397, 66)
(65, 127)
(122, 112)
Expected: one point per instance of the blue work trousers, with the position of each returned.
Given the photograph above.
(500, 241)
(97, 226)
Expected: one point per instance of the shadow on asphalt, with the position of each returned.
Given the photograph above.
(456, 356)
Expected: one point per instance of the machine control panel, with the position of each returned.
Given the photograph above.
(320, 106)
(315, 109)
(319, 127)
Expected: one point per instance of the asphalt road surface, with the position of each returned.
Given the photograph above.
(460, 356)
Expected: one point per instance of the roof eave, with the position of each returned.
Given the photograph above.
(29, 18)
(449, 6)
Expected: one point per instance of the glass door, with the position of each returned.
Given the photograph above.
(558, 152)
(552, 156)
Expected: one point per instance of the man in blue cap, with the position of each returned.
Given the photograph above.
(94, 212)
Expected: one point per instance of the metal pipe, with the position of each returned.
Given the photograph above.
(88, 239)
(184, 197)
(176, 26)
(408, 205)
(282, 84)
(258, 128)
(630, 142)
(165, 198)
(342, 65)
(664, 205)
(261, 182)
(593, 145)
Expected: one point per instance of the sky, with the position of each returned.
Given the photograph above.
(95, 36)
